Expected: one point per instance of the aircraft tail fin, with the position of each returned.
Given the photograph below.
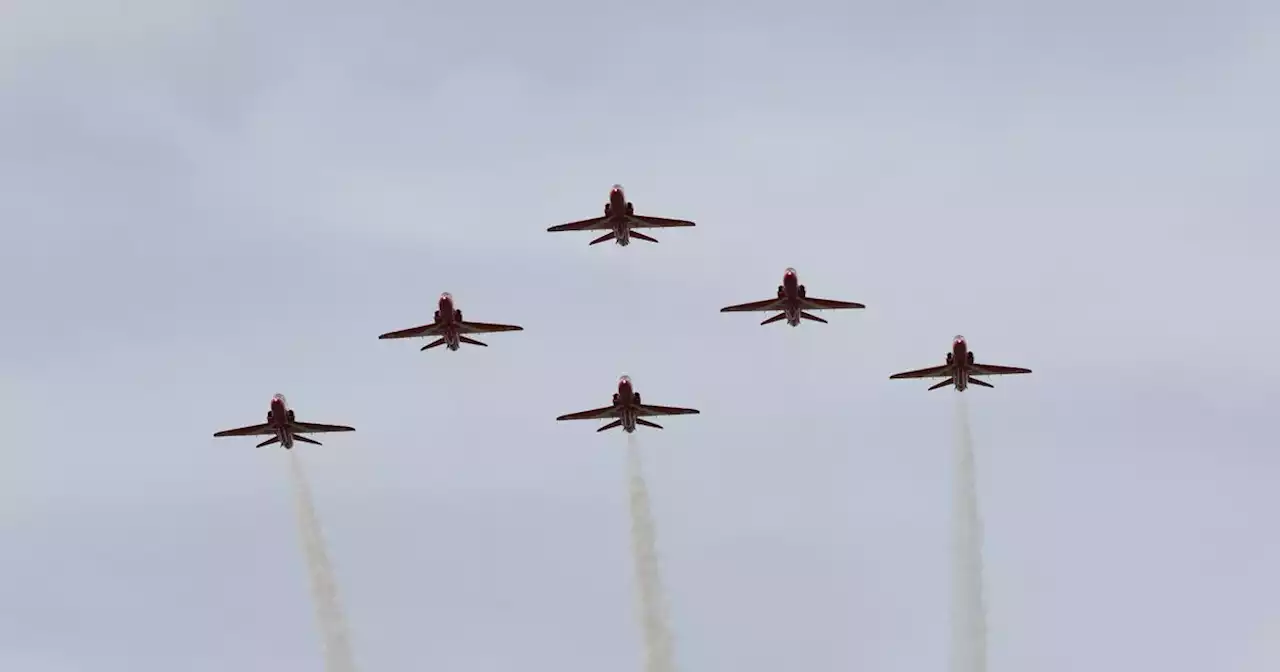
(606, 237)
(615, 423)
(979, 382)
(814, 318)
(640, 236)
(471, 341)
(646, 423)
(274, 439)
(432, 344)
(775, 318)
(299, 437)
(949, 381)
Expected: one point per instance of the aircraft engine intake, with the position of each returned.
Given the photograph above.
(457, 314)
(971, 358)
(637, 397)
(781, 292)
(801, 290)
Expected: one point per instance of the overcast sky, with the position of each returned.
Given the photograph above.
(204, 203)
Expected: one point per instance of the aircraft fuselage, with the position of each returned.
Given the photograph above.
(626, 403)
(617, 211)
(791, 292)
(279, 418)
(447, 315)
(959, 357)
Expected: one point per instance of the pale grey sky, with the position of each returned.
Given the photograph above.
(204, 203)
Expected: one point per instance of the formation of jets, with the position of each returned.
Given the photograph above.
(791, 304)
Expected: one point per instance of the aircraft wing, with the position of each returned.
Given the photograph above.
(593, 224)
(251, 430)
(651, 410)
(811, 303)
(768, 304)
(932, 372)
(995, 369)
(485, 328)
(425, 330)
(647, 222)
(315, 427)
(593, 414)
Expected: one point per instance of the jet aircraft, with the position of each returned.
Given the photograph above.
(450, 328)
(960, 369)
(620, 220)
(793, 303)
(628, 410)
(283, 428)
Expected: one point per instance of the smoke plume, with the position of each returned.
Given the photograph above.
(968, 610)
(652, 604)
(324, 590)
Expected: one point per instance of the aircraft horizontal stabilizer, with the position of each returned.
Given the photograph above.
(979, 382)
(815, 318)
(299, 437)
(949, 381)
(775, 318)
(646, 423)
(274, 439)
(471, 341)
(640, 236)
(606, 237)
(615, 423)
(432, 344)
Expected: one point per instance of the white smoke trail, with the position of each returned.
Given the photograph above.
(652, 604)
(324, 590)
(968, 610)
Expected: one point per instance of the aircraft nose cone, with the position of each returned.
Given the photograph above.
(790, 271)
(958, 339)
(625, 380)
(446, 296)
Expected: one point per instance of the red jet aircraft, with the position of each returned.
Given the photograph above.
(450, 327)
(628, 409)
(792, 302)
(960, 369)
(621, 220)
(284, 427)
